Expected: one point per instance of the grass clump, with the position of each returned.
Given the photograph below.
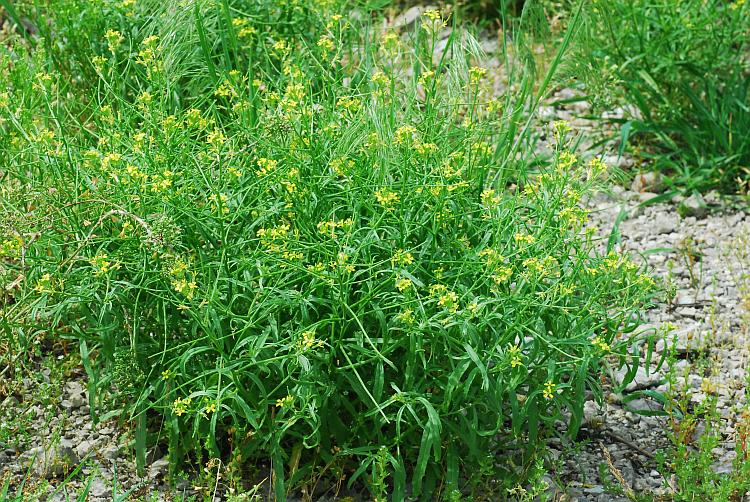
(681, 69)
(333, 266)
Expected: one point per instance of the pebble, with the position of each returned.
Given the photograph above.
(84, 447)
(647, 182)
(158, 468)
(694, 205)
(99, 488)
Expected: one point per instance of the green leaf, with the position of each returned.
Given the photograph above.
(482, 369)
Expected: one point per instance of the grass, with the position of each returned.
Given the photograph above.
(681, 69)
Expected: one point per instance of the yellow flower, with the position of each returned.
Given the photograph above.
(522, 237)
(492, 257)
(561, 128)
(284, 402)
(476, 74)
(406, 317)
(185, 287)
(404, 133)
(566, 161)
(318, 268)
(349, 104)
(114, 38)
(600, 343)
(502, 274)
(380, 79)
(341, 166)
(432, 14)
(308, 340)
(596, 167)
(11, 247)
(549, 390)
(210, 408)
(166, 374)
(490, 198)
(293, 255)
(436, 289)
(266, 165)
(401, 257)
(544, 267)
(386, 198)
(180, 406)
(515, 356)
(219, 202)
(426, 77)
(44, 284)
(390, 42)
(449, 300)
(216, 138)
(326, 44)
(425, 148)
(403, 283)
(433, 21)
(103, 265)
(329, 228)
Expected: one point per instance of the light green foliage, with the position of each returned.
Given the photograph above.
(301, 240)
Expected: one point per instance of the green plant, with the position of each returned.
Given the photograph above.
(689, 466)
(681, 68)
(338, 261)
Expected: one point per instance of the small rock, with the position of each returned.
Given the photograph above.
(592, 412)
(54, 461)
(693, 206)
(664, 225)
(98, 488)
(641, 380)
(617, 161)
(546, 113)
(408, 17)
(594, 490)
(111, 452)
(9, 403)
(647, 182)
(76, 401)
(641, 404)
(74, 388)
(84, 447)
(646, 196)
(489, 46)
(158, 468)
